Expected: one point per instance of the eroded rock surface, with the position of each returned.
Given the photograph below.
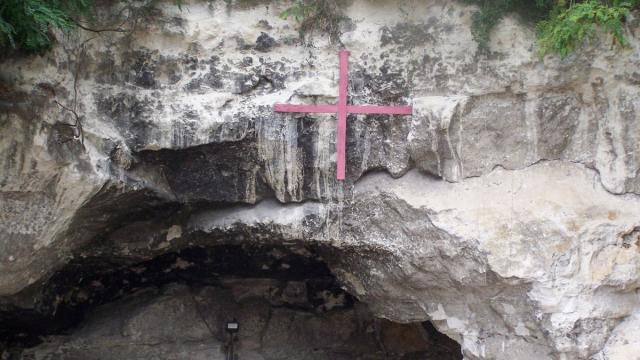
(185, 323)
(176, 306)
(509, 216)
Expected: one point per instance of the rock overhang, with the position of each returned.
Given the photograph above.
(185, 119)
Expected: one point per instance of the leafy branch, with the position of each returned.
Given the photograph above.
(565, 32)
(563, 25)
(79, 132)
(26, 24)
(317, 15)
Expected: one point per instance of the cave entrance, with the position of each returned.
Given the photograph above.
(285, 299)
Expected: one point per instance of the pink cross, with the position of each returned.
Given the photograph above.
(342, 109)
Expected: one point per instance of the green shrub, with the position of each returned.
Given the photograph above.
(26, 24)
(317, 15)
(567, 30)
(492, 11)
(563, 25)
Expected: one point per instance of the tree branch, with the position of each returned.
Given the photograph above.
(78, 24)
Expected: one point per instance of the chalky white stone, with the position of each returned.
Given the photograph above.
(509, 216)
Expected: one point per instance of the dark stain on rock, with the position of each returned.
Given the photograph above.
(268, 77)
(25, 105)
(87, 282)
(386, 86)
(212, 79)
(130, 114)
(63, 142)
(264, 24)
(107, 71)
(307, 135)
(143, 68)
(247, 61)
(222, 172)
(407, 35)
(558, 116)
(265, 42)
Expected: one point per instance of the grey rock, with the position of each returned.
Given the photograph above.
(514, 186)
(180, 322)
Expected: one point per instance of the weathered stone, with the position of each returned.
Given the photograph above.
(180, 322)
(520, 242)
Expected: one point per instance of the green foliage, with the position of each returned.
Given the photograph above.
(317, 15)
(300, 10)
(563, 25)
(26, 24)
(492, 11)
(567, 30)
(6, 32)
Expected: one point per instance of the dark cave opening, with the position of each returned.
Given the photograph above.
(287, 300)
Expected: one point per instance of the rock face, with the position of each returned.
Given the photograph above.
(286, 301)
(506, 210)
(182, 323)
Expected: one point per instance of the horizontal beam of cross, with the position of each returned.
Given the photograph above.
(351, 109)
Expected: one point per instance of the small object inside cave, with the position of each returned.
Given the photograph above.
(232, 327)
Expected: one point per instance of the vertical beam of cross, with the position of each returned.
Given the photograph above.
(342, 114)
(342, 110)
